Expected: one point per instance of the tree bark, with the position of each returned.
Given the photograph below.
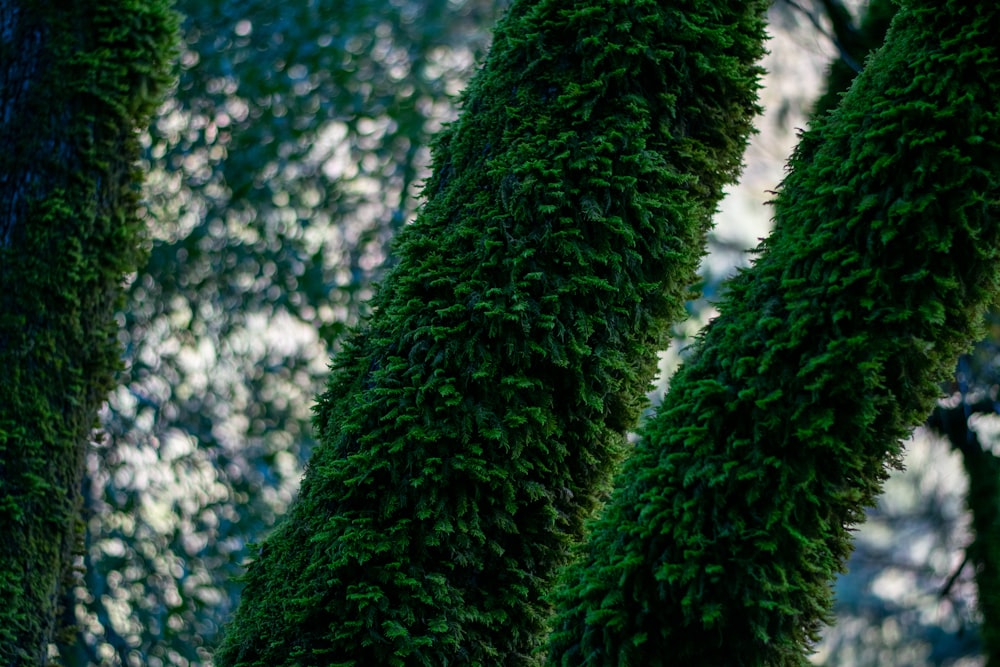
(21, 35)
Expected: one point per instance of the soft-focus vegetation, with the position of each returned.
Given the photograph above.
(290, 152)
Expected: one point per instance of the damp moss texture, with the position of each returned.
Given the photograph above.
(731, 519)
(79, 79)
(471, 426)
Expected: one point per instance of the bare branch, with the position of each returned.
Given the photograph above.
(839, 37)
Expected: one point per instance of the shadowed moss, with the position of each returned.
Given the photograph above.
(471, 426)
(733, 515)
(83, 77)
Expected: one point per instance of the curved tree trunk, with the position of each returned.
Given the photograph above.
(78, 79)
(981, 465)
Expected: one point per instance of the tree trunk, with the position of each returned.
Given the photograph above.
(470, 429)
(981, 465)
(983, 500)
(856, 43)
(734, 513)
(78, 80)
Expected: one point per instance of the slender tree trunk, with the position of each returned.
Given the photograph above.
(983, 499)
(733, 515)
(974, 384)
(78, 79)
(856, 40)
(470, 428)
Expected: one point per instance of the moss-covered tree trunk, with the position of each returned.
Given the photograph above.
(981, 465)
(470, 427)
(78, 79)
(732, 517)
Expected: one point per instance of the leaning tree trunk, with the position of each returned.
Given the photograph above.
(78, 79)
(734, 514)
(982, 466)
(470, 428)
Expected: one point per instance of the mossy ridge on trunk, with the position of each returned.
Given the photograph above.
(733, 516)
(472, 424)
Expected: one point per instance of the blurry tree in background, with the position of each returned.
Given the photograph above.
(290, 152)
(79, 80)
(968, 419)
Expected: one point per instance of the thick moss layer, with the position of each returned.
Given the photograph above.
(471, 427)
(82, 77)
(733, 516)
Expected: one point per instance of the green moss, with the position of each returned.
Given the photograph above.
(72, 233)
(730, 521)
(471, 426)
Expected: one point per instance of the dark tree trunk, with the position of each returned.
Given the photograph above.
(78, 80)
(975, 386)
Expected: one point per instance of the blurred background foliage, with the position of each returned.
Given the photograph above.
(291, 150)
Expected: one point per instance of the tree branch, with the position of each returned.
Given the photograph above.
(843, 26)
